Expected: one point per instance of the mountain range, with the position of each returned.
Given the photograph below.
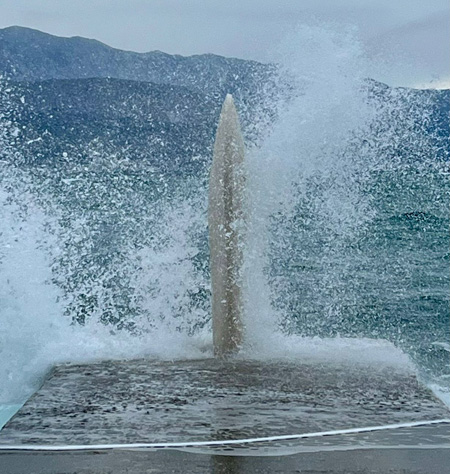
(30, 55)
(67, 95)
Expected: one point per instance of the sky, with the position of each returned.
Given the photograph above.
(407, 41)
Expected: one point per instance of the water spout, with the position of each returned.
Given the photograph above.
(225, 220)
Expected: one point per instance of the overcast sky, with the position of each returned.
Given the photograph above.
(412, 37)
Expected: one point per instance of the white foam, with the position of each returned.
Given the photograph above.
(35, 333)
(441, 392)
(342, 350)
(224, 443)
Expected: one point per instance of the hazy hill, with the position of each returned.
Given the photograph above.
(27, 54)
(72, 96)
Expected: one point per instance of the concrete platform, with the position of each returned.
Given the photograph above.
(205, 400)
(233, 417)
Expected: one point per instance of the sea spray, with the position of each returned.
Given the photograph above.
(75, 289)
(308, 172)
(349, 208)
(348, 233)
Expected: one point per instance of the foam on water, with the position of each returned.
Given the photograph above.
(340, 350)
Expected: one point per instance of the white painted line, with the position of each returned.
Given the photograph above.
(187, 444)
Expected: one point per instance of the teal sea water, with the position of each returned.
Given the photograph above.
(348, 239)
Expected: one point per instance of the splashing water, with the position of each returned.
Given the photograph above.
(349, 209)
(347, 237)
(308, 169)
(37, 328)
(348, 199)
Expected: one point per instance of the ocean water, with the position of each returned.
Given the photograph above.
(347, 252)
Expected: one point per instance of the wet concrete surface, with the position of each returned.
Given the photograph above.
(206, 400)
(151, 401)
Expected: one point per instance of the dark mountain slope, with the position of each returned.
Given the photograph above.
(27, 54)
